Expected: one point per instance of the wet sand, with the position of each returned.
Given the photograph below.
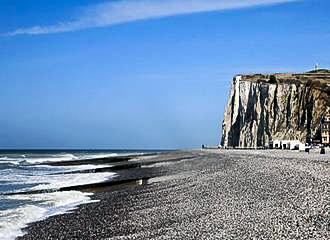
(213, 194)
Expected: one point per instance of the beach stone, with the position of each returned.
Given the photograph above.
(211, 194)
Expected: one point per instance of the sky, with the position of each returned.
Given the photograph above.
(142, 74)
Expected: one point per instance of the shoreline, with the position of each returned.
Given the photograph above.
(189, 194)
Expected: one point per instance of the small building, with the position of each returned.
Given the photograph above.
(290, 144)
(294, 144)
(276, 144)
(286, 144)
(325, 130)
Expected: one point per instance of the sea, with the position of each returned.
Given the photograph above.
(23, 171)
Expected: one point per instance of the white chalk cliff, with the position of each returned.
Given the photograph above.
(262, 108)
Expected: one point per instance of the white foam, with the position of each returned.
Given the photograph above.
(6, 160)
(68, 180)
(60, 157)
(41, 206)
(57, 181)
(72, 168)
(100, 155)
(12, 221)
(55, 158)
(68, 157)
(33, 160)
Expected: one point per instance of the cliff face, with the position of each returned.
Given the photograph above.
(262, 108)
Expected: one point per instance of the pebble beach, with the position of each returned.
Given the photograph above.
(209, 194)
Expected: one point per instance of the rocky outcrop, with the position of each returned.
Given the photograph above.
(262, 108)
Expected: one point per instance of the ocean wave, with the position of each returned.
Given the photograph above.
(100, 155)
(39, 159)
(57, 181)
(43, 205)
(13, 161)
(12, 221)
(54, 158)
(64, 169)
(69, 180)
(31, 171)
(59, 157)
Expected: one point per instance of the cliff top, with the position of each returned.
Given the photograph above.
(319, 71)
(319, 77)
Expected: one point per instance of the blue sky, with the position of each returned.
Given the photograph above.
(142, 73)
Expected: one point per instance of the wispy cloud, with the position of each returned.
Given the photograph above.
(122, 11)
